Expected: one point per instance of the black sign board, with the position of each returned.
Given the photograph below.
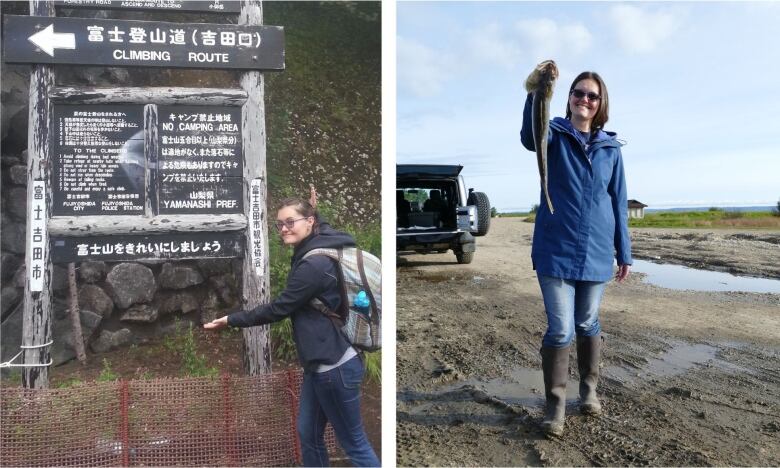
(214, 6)
(158, 246)
(123, 43)
(98, 160)
(199, 166)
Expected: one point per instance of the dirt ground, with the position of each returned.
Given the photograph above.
(688, 378)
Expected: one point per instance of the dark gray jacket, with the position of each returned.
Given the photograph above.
(317, 339)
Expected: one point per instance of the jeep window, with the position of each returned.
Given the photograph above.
(426, 205)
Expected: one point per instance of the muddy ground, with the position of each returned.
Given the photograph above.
(688, 378)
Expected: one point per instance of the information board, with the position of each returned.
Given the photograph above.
(199, 166)
(98, 160)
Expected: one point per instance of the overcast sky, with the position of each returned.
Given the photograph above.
(694, 92)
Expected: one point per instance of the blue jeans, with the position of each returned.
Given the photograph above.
(334, 396)
(570, 306)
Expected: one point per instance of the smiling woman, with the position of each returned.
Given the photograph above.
(333, 369)
(573, 249)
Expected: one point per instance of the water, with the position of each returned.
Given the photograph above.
(680, 277)
(675, 361)
(523, 387)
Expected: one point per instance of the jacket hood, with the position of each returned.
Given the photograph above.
(326, 238)
(564, 125)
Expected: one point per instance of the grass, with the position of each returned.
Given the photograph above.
(74, 381)
(374, 366)
(107, 375)
(183, 343)
(14, 378)
(714, 218)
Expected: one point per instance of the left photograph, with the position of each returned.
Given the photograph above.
(191, 242)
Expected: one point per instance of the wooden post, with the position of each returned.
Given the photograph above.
(256, 288)
(36, 319)
(75, 315)
(151, 207)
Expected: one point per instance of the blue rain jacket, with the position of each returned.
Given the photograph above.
(588, 192)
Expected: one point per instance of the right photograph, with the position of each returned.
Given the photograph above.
(588, 234)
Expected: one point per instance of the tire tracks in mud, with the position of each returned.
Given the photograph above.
(468, 338)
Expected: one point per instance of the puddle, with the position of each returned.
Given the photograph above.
(677, 360)
(523, 387)
(680, 277)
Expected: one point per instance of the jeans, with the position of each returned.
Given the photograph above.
(334, 396)
(570, 306)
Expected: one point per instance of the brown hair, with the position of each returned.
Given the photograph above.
(303, 208)
(602, 115)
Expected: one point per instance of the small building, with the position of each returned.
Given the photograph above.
(636, 209)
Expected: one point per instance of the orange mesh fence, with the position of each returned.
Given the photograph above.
(220, 421)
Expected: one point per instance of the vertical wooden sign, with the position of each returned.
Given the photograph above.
(37, 317)
(256, 285)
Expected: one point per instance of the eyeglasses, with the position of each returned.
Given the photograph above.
(579, 94)
(289, 223)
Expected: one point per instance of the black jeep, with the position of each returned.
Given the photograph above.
(435, 213)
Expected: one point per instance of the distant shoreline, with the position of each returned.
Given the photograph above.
(746, 209)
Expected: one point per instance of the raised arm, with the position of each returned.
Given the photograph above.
(526, 131)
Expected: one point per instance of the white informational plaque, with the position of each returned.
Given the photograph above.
(38, 237)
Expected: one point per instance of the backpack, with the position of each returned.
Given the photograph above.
(358, 271)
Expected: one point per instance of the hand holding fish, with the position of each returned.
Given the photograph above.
(540, 83)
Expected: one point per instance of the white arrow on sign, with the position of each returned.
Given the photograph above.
(47, 40)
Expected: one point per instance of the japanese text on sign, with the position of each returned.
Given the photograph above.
(154, 249)
(256, 226)
(200, 166)
(37, 242)
(113, 42)
(99, 162)
(153, 246)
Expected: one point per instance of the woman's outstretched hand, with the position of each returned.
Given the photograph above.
(216, 324)
(622, 273)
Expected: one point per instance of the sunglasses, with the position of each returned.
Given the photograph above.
(581, 94)
(289, 223)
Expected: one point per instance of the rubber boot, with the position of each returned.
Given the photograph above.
(555, 367)
(588, 356)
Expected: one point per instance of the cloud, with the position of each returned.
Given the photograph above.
(546, 38)
(640, 30)
(491, 44)
(421, 69)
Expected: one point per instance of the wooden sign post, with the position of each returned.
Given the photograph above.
(144, 173)
(37, 317)
(256, 287)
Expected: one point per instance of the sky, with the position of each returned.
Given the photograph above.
(694, 93)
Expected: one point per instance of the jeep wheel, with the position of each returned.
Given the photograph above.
(483, 212)
(464, 257)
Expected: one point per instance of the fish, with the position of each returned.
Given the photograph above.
(540, 83)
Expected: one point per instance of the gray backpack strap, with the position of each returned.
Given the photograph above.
(335, 255)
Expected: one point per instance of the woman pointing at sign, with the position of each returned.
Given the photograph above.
(333, 370)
